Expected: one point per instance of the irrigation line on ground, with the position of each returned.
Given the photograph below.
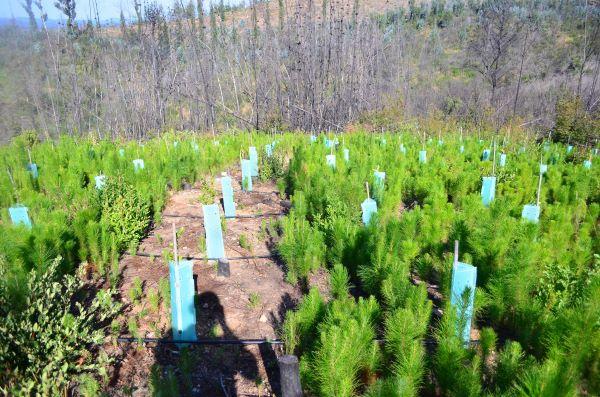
(231, 217)
(202, 341)
(195, 258)
(214, 341)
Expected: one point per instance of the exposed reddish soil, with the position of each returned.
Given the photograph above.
(249, 304)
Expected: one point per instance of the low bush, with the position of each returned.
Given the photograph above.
(49, 341)
(125, 212)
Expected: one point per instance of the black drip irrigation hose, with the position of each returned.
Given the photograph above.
(127, 339)
(195, 258)
(123, 339)
(230, 217)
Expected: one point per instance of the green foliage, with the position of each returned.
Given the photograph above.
(573, 123)
(271, 168)
(164, 290)
(339, 281)
(244, 243)
(47, 343)
(135, 291)
(125, 212)
(154, 299)
(254, 300)
(533, 279)
(302, 247)
(300, 327)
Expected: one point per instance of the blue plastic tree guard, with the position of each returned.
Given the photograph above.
(175, 144)
(329, 143)
(346, 154)
(440, 142)
(369, 207)
(521, 149)
(313, 138)
(531, 212)
(20, 215)
(269, 149)
(228, 205)
(502, 161)
(100, 181)
(214, 234)
(569, 149)
(246, 175)
(423, 156)
(183, 312)
(596, 151)
(464, 276)
(253, 155)
(587, 164)
(121, 152)
(485, 155)
(462, 148)
(488, 190)
(330, 159)
(543, 168)
(138, 165)
(402, 149)
(195, 146)
(383, 141)
(32, 168)
(379, 181)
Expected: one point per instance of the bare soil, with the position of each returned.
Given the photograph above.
(250, 304)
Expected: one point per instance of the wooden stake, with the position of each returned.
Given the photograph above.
(175, 255)
(368, 195)
(455, 252)
(539, 190)
(29, 154)
(494, 157)
(289, 374)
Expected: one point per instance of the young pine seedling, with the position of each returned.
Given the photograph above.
(244, 243)
(216, 331)
(153, 300)
(164, 290)
(201, 244)
(254, 300)
(135, 292)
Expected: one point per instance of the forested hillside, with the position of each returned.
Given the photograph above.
(308, 65)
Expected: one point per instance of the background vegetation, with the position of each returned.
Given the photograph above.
(311, 65)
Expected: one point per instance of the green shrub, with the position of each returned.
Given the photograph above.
(271, 168)
(47, 343)
(573, 123)
(125, 212)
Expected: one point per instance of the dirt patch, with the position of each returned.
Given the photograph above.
(250, 304)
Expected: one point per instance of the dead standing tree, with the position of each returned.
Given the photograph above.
(492, 44)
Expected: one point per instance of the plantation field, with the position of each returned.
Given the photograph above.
(366, 308)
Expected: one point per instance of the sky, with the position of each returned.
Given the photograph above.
(107, 9)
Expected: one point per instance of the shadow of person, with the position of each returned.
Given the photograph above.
(221, 363)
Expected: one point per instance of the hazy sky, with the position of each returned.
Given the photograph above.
(108, 9)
